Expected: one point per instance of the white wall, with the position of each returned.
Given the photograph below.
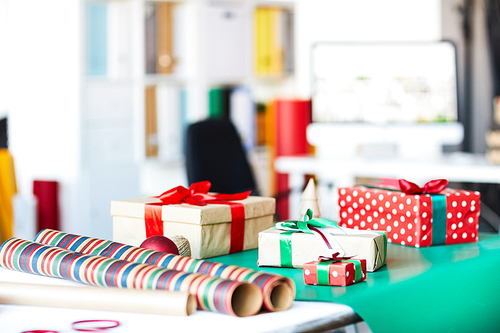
(3, 58)
(43, 89)
(393, 20)
(359, 21)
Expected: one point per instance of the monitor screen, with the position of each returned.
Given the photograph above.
(384, 82)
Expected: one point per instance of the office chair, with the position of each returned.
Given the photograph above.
(214, 153)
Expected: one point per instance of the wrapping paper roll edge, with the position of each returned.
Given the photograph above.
(163, 302)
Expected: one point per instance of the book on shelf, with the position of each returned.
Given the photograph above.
(273, 31)
(260, 124)
(164, 37)
(151, 129)
(236, 104)
(219, 102)
(150, 37)
(119, 40)
(97, 38)
(242, 115)
(169, 120)
(165, 122)
(108, 39)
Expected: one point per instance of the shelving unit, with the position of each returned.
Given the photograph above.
(212, 46)
(86, 128)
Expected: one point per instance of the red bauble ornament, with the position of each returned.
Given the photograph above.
(160, 244)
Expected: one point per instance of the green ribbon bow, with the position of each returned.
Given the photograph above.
(299, 226)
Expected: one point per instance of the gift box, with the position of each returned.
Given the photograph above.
(412, 215)
(282, 246)
(214, 224)
(337, 272)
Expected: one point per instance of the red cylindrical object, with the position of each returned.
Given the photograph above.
(292, 118)
(47, 194)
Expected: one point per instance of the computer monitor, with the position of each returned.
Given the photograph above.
(384, 83)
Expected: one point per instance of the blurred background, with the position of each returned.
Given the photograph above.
(96, 96)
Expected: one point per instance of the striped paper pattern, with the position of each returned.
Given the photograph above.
(211, 293)
(266, 282)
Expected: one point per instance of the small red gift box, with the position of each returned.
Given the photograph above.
(419, 217)
(334, 272)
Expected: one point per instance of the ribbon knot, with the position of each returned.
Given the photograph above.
(197, 194)
(306, 225)
(407, 187)
(335, 257)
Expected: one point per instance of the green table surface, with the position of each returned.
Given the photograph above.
(452, 288)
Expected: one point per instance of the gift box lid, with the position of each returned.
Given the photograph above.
(255, 206)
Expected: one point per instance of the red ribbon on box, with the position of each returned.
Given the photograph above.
(197, 195)
(431, 187)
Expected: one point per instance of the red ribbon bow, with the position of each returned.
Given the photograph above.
(197, 195)
(431, 187)
(335, 257)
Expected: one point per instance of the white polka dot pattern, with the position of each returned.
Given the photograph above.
(341, 273)
(401, 214)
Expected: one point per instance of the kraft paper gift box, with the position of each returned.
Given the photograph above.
(206, 227)
(433, 215)
(338, 272)
(287, 248)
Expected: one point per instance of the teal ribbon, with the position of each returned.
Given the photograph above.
(286, 249)
(438, 215)
(438, 219)
(303, 226)
(323, 271)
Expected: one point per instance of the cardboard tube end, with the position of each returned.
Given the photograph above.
(282, 297)
(191, 305)
(246, 300)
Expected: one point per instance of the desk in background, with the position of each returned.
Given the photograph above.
(456, 167)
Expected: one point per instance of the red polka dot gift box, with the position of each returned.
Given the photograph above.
(414, 216)
(334, 272)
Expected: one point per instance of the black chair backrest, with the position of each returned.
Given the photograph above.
(214, 153)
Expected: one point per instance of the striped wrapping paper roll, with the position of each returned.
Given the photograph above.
(213, 294)
(278, 291)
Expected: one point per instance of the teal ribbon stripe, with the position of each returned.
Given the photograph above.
(431, 289)
(323, 271)
(286, 249)
(438, 215)
(438, 219)
(298, 226)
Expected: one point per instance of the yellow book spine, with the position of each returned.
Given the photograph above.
(8, 188)
(275, 41)
(262, 37)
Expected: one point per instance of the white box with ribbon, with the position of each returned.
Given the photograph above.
(290, 244)
(214, 224)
